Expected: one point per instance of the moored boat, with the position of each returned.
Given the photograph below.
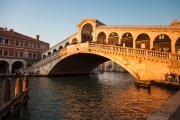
(145, 84)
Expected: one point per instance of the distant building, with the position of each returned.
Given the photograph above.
(18, 50)
(111, 66)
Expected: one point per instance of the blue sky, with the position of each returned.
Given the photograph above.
(55, 20)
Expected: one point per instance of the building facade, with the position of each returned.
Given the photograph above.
(18, 50)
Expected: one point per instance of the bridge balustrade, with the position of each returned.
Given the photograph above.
(137, 51)
(144, 52)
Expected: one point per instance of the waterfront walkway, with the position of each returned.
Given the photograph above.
(169, 111)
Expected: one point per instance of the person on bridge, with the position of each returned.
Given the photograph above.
(166, 76)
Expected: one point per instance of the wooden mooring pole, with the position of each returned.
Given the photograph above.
(6, 97)
(25, 86)
(20, 99)
(18, 90)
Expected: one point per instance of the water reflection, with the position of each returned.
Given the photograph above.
(103, 96)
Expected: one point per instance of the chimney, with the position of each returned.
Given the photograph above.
(11, 31)
(37, 37)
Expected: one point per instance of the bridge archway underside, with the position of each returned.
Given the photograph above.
(80, 63)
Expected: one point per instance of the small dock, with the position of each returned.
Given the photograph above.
(166, 84)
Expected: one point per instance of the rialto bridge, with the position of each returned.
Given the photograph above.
(135, 48)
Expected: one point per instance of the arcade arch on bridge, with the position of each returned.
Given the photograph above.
(127, 40)
(67, 43)
(44, 56)
(74, 41)
(143, 41)
(162, 42)
(49, 53)
(101, 38)
(54, 50)
(177, 45)
(113, 39)
(60, 47)
(87, 33)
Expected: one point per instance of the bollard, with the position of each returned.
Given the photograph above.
(25, 86)
(18, 90)
(6, 97)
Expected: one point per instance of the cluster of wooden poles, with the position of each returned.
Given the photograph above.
(7, 112)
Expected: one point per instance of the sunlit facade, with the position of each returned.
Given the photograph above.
(18, 50)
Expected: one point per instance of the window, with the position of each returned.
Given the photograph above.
(17, 42)
(6, 41)
(45, 47)
(30, 44)
(1, 52)
(30, 55)
(143, 45)
(21, 54)
(16, 54)
(1, 40)
(41, 46)
(34, 55)
(160, 37)
(34, 45)
(5, 53)
(21, 43)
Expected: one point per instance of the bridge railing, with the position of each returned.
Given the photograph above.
(47, 59)
(144, 52)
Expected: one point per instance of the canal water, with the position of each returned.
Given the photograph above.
(107, 96)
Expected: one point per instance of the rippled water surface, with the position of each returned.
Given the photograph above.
(107, 96)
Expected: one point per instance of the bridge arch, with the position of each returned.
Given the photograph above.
(143, 41)
(74, 41)
(162, 41)
(177, 45)
(87, 32)
(85, 63)
(127, 40)
(49, 53)
(101, 38)
(60, 47)
(44, 56)
(54, 50)
(67, 43)
(113, 38)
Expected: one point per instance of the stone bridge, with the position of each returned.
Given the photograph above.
(82, 58)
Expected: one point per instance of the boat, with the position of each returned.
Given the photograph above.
(97, 71)
(145, 84)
